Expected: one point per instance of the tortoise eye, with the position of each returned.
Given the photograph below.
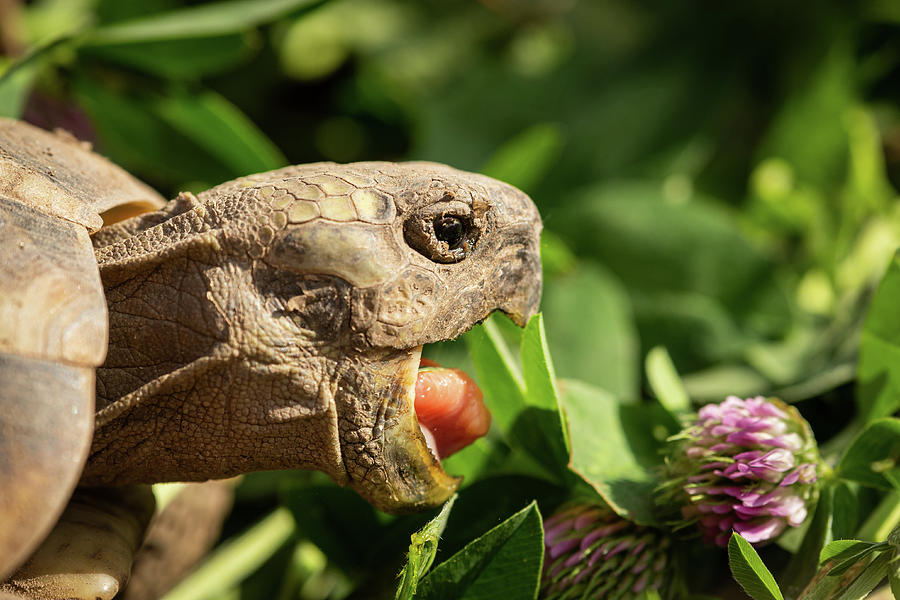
(443, 232)
(450, 230)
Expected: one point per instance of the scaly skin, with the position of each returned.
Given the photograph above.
(276, 321)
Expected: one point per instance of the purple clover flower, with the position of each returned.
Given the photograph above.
(748, 466)
(592, 553)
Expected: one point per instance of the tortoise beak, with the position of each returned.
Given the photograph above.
(519, 289)
(401, 474)
(415, 476)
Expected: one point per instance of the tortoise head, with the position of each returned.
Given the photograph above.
(277, 321)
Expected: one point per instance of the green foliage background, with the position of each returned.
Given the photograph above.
(718, 179)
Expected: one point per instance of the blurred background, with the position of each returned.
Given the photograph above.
(718, 179)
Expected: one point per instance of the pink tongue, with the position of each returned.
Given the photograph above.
(450, 408)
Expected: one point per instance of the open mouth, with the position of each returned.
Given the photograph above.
(449, 407)
(430, 413)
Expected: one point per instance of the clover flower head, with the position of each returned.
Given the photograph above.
(748, 466)
(590, 552)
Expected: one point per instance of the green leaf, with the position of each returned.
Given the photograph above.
(821, 587)
(422, 550)
(834, 376)
(236, 558)
(525, 159)
(844, 564)
(221, 129)
(878, 370)
(665, 382)
(470, 462)
(498, 374)
(848, 565)
(17, 77)
(540, 387)
(207, 20)
(615, 447)
(591, 330)
(134, 136)
(525, 407)
(491, 500)
(540, 380)
(749, 571)
(15, 85)
(177, 59)
(307, 569)
(846, 511)
(692, 274)
(505, 562)
(866, 581)
(851, 555)
(840, 550)
(178, 138)
(872, 458)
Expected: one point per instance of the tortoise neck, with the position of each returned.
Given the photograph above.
(160, 319)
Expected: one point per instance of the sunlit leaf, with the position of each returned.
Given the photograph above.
(851, 557)
(540, 388)
(894, 579)
(749, 571)
(505, 562)
(665, 382)
(525, 406)
(615, 447)
(722, 380)
(808, 132)
(498, 373)
(879, 522)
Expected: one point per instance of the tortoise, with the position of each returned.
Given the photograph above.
(274, 321)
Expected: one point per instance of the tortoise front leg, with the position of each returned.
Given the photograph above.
(89, 553)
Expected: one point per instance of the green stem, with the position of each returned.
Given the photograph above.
(236, 559)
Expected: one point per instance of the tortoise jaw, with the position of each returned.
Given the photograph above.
(415, 479)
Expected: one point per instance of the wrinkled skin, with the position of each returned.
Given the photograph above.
(277, 322)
